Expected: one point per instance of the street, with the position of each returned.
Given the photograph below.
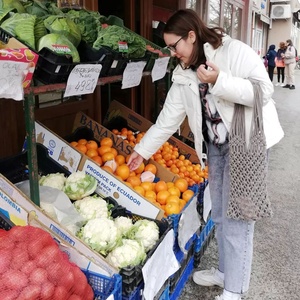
(276, 260)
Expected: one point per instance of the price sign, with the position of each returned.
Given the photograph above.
(160, 68)
(11, 78)
(133, 73)
(83, 80)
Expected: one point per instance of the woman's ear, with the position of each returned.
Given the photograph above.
(192, 36)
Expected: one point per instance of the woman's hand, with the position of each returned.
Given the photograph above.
(134, 161)
(208, 75)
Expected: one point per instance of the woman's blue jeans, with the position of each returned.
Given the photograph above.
(234, 237)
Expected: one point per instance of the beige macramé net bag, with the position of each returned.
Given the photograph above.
(248, 165)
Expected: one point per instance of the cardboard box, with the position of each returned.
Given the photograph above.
(108, 184)
(185, 130)
(59, 150)
(21, 211)
(15, 51)
(118, 113)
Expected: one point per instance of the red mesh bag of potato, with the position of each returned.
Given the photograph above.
(33, 267)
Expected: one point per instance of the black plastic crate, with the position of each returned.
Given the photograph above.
(5, 222)
(16, 169)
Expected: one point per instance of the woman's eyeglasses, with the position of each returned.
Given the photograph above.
(173, 47)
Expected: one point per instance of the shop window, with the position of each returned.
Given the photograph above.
(214, 13)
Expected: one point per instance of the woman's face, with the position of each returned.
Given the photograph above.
(181, 47)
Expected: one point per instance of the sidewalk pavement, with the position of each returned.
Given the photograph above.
(276, 259)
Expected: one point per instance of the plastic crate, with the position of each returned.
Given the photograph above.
(203, 240)
(104, 286)
(132, 277)
(16, 169)
(150, 56)
(5, 222)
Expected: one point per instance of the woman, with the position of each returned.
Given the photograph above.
(271, 55)
(290, 64)
(210, 56)
(280, 63)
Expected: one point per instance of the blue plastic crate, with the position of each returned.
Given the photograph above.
(104, 286)
(136, 294)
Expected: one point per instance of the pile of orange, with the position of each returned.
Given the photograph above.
(129, 136)
(169, 196)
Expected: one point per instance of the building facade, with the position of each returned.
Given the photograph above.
(259, 23)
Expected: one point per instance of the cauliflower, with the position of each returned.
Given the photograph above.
(54, 180)
(79, 185)
(92, 208)
(100, 234)
(146, 232)
(124, 225)
(130, 253)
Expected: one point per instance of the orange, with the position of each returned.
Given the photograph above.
(173, 198)
(91, 152)
(127, 183)
(172, 208)
(107, 168)
(103, 149)
(151, 167)
(170, 184)
(106, 142)
(74, 144)
(140, 169)
(120, 159)
(123, 171)
(114, 151)
(150, 194)
(115, 131)
(107, 156)
(182, 204)
(81, 148)
(139, 190)
(174, 190)
(134, 180)
(92, 145)
(187, 195)
(162, 196)
(160, 186)
(97, 159)
(182, 184)
(147, 186)
(82, 141)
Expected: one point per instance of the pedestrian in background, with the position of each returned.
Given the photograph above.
(209, 58)
(271, 55)
(290, 64)
(279, 61)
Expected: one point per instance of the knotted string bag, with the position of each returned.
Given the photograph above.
(248, 165)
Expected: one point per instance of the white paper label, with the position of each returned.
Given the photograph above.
(160, 266)
(83, 80)
(206, 203)
(160, 68)
(11, 78)
(133, 73)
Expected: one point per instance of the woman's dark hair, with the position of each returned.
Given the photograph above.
(185, 20)
(289, 42)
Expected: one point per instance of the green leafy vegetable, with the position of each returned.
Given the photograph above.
(111, 36)
(52, 41)
(64, 26)
(22, 27)
(15, 4)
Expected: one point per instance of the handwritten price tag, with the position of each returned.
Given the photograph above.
(133, 73)
(83, 80)
(160, 68)
(11, 77)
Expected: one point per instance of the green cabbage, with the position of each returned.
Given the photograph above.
(64, 26)
(21, 26)
(51, 41)
(15, 4)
